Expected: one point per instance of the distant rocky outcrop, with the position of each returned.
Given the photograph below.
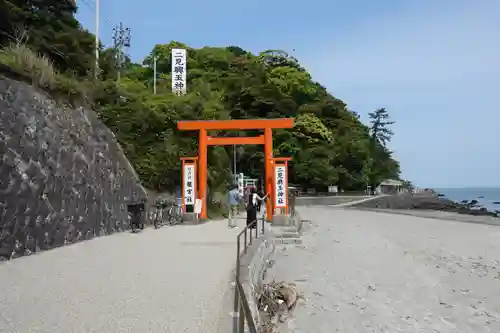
(63, 176)
(426, 201)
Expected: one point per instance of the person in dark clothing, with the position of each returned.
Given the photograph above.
(253, 201)
(259, 204)
(136, 215)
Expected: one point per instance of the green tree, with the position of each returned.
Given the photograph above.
(383, 166)
(380, 126)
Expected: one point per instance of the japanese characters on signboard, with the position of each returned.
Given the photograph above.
(179, 60)
(189, 184)
(280, 187)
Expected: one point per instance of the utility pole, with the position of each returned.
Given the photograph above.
(96, 70)
(121, 39)
(154, 73)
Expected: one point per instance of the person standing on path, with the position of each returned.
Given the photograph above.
(253, 201)
(233, 200)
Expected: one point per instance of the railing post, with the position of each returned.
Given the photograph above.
(237, 298)
(250, 242)
(246, 240)
(241, 326)
(237, 278)
(238, 256)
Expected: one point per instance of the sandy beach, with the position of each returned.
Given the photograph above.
(361, 271)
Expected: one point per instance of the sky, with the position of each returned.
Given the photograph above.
(435, 65)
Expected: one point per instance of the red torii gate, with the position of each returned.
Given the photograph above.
(236, 124)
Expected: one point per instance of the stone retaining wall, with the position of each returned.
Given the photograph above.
(63, 175)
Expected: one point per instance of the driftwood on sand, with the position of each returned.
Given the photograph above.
(277, 301)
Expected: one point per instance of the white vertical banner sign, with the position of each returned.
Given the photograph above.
(179, 61)
(189, 184)
(241, 188)
(280, 186)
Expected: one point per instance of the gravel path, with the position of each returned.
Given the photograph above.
(175, 279)
(362, 272)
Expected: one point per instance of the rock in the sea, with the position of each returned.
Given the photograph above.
(473, 202)
(63, 176)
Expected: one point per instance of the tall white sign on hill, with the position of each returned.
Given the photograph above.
(179, 61)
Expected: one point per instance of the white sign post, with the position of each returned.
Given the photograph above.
(280, 187)
(189, 184)
(179, 61)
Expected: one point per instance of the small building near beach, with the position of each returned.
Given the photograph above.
(389, 186)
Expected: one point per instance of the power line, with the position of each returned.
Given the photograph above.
(121, 41)
(98, 16)
(92, 8)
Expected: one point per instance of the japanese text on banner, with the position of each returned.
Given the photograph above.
(280, 187)
(241, 184)
(189, 184)
(179, 60)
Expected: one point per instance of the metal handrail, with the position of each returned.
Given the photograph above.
(292, 195)
(241, 305)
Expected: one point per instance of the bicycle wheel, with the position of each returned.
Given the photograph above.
(142, 218)
(176, 219)
(155, 220)
(170, 215)
(179, 215)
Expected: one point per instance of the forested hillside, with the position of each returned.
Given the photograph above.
(329, 144)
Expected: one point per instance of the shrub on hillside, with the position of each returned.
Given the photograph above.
(39, 70)
(23, 61)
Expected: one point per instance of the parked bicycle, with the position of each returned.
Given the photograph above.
(175, 214)
(160, 215)
(166, 213)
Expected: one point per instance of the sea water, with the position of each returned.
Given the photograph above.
(486, 197)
